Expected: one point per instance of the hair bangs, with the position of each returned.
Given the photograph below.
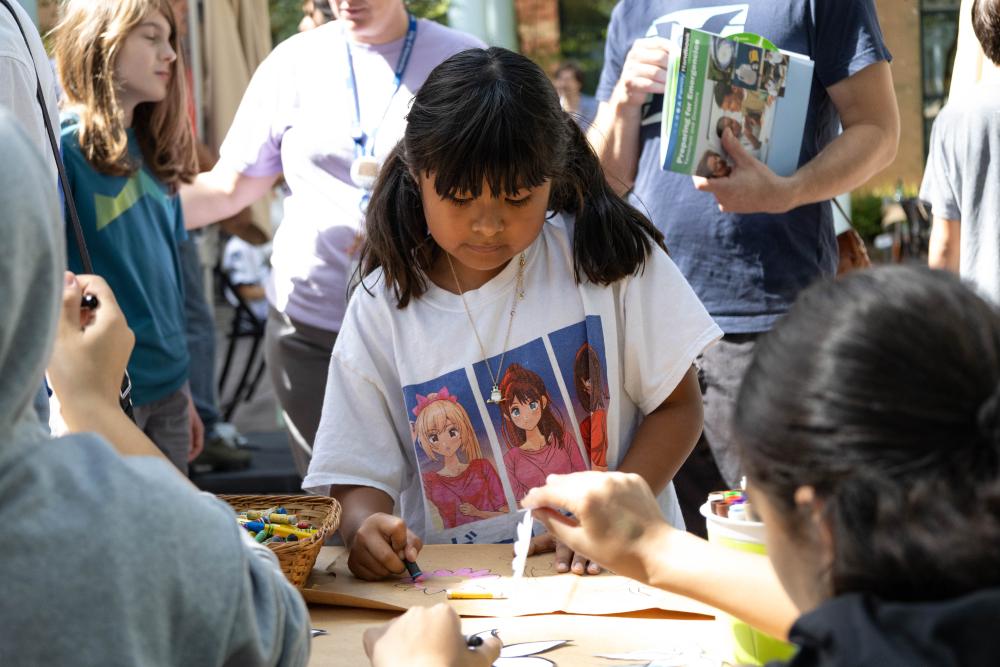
(496, 134)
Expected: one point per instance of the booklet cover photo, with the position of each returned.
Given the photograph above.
(740, 83)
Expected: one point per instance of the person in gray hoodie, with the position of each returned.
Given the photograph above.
(112, 558)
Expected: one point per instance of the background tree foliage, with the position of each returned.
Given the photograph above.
(583, 28)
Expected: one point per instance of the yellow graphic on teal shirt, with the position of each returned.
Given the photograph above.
(108, 209)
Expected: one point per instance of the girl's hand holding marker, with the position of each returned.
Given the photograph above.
(381, 548)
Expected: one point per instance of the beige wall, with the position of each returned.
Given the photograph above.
(901, 27)
(538, 31)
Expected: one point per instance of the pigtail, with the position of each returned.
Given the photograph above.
(396, 237)
(611, 238)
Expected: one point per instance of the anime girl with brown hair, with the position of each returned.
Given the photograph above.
(534, 433)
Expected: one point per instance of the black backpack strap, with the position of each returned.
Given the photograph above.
(125, 393)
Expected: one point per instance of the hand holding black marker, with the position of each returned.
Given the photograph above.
(413, 569)
(91, 302)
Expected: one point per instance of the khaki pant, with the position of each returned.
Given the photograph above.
(298, 360)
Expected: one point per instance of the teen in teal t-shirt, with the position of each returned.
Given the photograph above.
(128, 145)
(132, 226)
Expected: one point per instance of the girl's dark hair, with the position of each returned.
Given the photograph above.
(493, 115)
(882, 391)
(525, 385)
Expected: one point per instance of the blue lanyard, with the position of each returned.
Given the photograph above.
(363, 144)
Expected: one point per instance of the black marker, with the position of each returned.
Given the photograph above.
(89, 302)
(413, 569)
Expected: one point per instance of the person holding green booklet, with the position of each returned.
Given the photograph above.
(748, 242)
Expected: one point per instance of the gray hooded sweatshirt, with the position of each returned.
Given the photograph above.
(108, 560)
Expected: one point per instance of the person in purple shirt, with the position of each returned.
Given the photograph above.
(323, 109)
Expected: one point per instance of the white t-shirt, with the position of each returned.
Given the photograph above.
(247, 264)
(408, 386)
(21, 67)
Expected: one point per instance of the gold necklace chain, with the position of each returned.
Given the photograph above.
(495, 396)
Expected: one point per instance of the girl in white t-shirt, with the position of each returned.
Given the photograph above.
(495, 251)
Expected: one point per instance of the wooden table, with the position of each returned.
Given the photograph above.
(342, 647)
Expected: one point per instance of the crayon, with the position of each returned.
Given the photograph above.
(413, 569)
(282, 530)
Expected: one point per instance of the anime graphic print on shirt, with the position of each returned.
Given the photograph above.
(585, 377)
(477, 460)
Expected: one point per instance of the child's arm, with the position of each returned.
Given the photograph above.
(667, 435)
(378, 541)
(617, 522)
(945, 245)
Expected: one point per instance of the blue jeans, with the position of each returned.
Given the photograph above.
(200, 334)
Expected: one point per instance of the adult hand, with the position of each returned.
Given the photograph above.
(566, 559)
(751, 187)
(380, 545)
(425, 637)
(616, 519)
(92, 348)
(197, 431)
(644, 71)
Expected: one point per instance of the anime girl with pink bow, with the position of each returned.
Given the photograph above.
(466, 487)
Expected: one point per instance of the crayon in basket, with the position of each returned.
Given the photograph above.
(275, 525)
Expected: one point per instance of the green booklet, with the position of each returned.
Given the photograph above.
(742, 83)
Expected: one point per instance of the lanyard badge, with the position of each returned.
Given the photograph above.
(365, 167)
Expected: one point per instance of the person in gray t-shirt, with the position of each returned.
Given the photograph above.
(962, 178)
(112, 558)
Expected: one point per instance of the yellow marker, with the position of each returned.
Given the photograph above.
(289, 519)
(458, 594)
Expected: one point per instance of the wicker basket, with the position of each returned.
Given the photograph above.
(296, 558)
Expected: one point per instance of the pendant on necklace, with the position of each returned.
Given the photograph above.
(495, 396)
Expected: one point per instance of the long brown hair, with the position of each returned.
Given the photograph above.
(524, 385)
(87, 42)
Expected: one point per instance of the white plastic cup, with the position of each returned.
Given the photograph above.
(748, 645)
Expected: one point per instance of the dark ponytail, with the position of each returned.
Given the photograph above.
(880, 391)
(492, 116)
(396, 238)
(612, 238)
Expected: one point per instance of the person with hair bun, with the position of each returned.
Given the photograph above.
(869, 425)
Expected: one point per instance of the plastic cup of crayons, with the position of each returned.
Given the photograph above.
(732, 524)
